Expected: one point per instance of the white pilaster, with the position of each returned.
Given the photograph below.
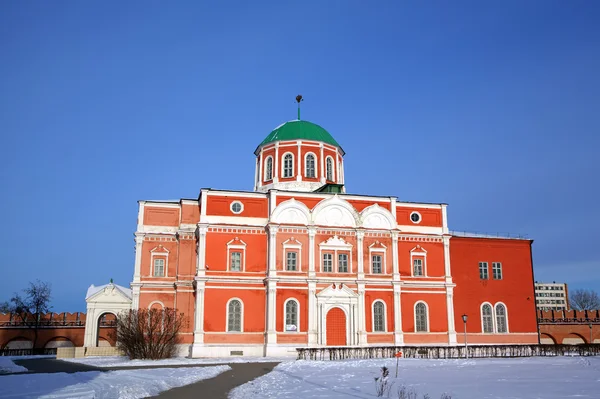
(359, 243)
(312, 232)
(299, 166)
(260, 174)
(398, 334)
(272, 259)
(271, 310)
(362, 329)
(395, 267)
(444, 219)
(450, 309)
(313, 328)
(199, 315)
(322, 162)
(135, 295)
(201, 250)
(276, 168)
(139, 240)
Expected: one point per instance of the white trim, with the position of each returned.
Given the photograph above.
(501, 272)
(241, 315)
(418, 251)
(162, 252)
(416, 213)
(306, 164)
(505, 318)
(242, 247)
(264, 173)
(335, 244)
(283, 176)
(297, 315)
(426, 316)
(153, 302)
(292, 248)
(384, 316)
(235, 220)
(383, 260)
(328, 157)
(236, 202)
(481, 318)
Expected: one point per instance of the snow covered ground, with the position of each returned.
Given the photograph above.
(123, 361)
(7, 366)
(523, 378)
(125, 384)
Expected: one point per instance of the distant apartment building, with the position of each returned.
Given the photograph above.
(551, 296)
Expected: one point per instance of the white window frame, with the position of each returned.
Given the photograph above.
(323, 262)
(327, 160)
(384, 316)
(494, 273)
(335, 245)
(496, 318)
(420, 252)
(159, 251)
(283, 176)
(347, 255)
(266, 175)
(157, 259)
(292, 245)
(487, 271)
(297, 315)
(241, 207)
(378, 249)
(314, 165)
(491, 315)
(415, 213)
(426, 316)
(233, 246)
(241, 315)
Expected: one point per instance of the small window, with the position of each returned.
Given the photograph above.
(501, 318)
(415, 217)
(497, 270)
(291, 261)
(236, 262)
(417, 267)
(236, 207)
(329, 169)
(234, 316)
(376, 264)
(487, 319)
(483, 270)
(288, 165)
(269, 169)
(421, 317)
(327, 263)
(342, 263)
(310, 165)
(291, 316)
(378, 317)
(159, 267)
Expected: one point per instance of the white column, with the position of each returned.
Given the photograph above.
(199, 313)
(395, 266)
(398, 334)
(90, 328)
(135, 295)
(271, 309)
(276, 168)
(139, 240)
(450, 309)
(444, 219)
(272, 260)
(336, 167)
(359, 243)
(447, 269)
(299, 167)
(362, 330)
(322, 161)
(260, 174)
(312, 232)
(201, 250)
(313, 328)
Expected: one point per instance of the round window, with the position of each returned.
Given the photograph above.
(415, 217)
(237, 207)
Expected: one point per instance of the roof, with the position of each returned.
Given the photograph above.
(94, 290)
(299, 130)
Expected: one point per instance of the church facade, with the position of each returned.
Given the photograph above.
(298, 262)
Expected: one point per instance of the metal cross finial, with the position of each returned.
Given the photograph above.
(298, 99)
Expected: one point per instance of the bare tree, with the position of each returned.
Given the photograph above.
(584, 300)
(31, 306)
(149, 333)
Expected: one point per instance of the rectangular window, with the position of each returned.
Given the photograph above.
(236, 262)
(497, 270)
(342, 263)
(376, 264)
(483, 271)
(327, 263)
(159, 267)
(417, 267)
(292, 258)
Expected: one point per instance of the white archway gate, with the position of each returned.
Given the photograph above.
(344, 298)
(108, 298)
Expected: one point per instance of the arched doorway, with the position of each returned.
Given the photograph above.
(106, 319)
(19, 343)
(573, 339)
(547, 339)
(336, 327)
(59, 342)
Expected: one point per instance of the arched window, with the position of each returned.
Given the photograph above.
(269, 169)
(378, 317)
(420, 317)
(310, 165)
(288, 165)
(501, 318)
(329, 169)
(487, 319)
(234, 315)
(291, 316)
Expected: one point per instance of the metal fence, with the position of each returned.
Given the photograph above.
(446, 352)
(27, 352)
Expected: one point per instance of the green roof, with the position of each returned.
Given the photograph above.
(299, 130)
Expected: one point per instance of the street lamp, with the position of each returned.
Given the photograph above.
(591, 337)
(464, 317)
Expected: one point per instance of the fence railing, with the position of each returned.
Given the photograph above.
(52, 324)
(446, 352)
(27, 352)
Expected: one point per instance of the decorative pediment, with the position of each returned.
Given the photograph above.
(337, 290)
(236, 242)
(377, 245)
(160, 250)
(110, 293)
(336, 241)
(291, 212)
(292, 242)
(377, 217)
(419, 249)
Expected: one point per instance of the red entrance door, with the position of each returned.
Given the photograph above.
(336, 327)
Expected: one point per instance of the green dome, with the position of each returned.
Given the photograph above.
(299, 130)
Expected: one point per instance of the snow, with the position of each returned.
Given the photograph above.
(7, 366)
(123, 361)
(523, 378)
(125, 384)
(92, 290)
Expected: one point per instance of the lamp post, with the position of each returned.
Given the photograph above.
(464, 317)
(591, 336)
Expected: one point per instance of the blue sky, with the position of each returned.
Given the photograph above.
(491, 108)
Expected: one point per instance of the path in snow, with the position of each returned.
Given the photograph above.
(7, 366)
(119, 362)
